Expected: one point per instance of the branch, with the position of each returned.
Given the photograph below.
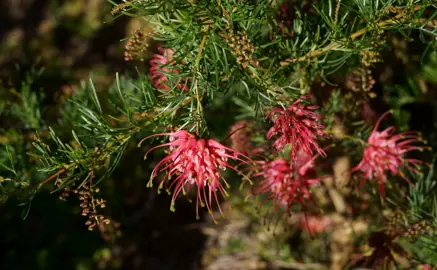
(336, 44)
(53, 176)
(153, 119)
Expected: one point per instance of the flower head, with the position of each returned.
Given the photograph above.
(285, 185)
(285, 19)
(384, 153)
(194, 163)
(240, 136)
(299, 126)
(314, 224)
(159, 65)
(424, 267)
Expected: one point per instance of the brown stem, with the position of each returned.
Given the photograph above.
(51, 177)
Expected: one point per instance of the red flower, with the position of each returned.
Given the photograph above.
(314, 224)
(424, 267)
(385, 153)
(286, 185)
(240, 134)
(285, 18)
(298, 126)
(196, 163)
(159, 65)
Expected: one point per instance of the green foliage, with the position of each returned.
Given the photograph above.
(237, 60)
(423, 198)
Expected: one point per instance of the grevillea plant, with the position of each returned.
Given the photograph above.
(298, 100)
(196, 163)
(286, 183)
(384, 153)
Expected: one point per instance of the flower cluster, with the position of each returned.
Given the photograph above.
(285, 184)
(285, 19)
(314, 224)
(194, 163)
(424, 266)
(241, 48)
(135, 45)
(384, 153)
(159, 65)
(286, 15)
(240, 136)
(297, 125)
(89, 205)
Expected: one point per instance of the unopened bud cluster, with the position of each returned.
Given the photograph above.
(241, 48)
(394, 223)
(370, 57)
(417, 229)
(361, 79)
(401, 12)
(89, 205)
(120, 7)
(134, 46)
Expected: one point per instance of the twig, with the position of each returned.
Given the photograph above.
(337, 44)
(56, 174)
(109, 145)
(195, 88)
(225, 12)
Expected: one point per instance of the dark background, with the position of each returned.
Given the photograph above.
(74, 40)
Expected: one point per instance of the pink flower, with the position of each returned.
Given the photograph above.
(424, 267)
(384, 153)
(159, 65)
(285, 18)
(314, 224)
(194, 163)
(297, 125)
(240, 134)
(286, 185)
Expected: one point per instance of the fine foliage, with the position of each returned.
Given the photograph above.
(302, 110)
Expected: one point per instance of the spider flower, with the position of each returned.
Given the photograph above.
(314, 224)
(160, 64)
(240, 136)
(424, 267)
(297, 125)
(384, 153)
(285, 185)
(285, 19)
(197, 164)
